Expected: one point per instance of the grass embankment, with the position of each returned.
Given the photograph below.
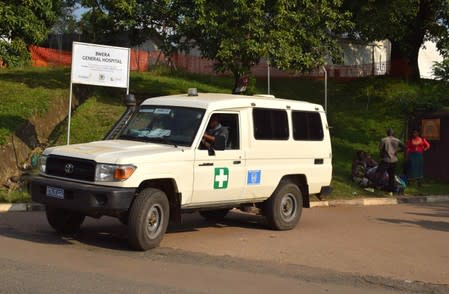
(359, 112)
(28, 92)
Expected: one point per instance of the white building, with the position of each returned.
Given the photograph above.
(428, 55)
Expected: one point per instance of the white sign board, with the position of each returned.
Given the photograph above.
(100, 65)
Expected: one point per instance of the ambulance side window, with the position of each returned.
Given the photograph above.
(270, 124)
(307, 126)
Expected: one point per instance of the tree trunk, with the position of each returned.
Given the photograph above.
(404, 64)
(237, 76)
(404, 52)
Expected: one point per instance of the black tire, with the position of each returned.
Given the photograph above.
(148, 219)
(283, 209)
(214, 215)
(64, 221)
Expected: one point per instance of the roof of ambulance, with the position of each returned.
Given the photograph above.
(216, 101)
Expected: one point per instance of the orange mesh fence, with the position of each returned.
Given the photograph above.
(46, 56)
(140, 60)
(143, 60)
(193, 64)
(40, 56)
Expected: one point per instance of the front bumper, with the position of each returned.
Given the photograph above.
(86, 198)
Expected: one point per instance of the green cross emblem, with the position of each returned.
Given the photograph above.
(221, 177)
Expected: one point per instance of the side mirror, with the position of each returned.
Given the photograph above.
(220, 143)
(211, 151)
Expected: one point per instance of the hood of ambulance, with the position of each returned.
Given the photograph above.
(120, 151)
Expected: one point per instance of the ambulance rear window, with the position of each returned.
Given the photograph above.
(307, 126)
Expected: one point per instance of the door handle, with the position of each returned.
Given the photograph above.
(206, 164)
(237, 162)
(319, 161)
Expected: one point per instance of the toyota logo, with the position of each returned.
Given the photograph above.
(68, 168)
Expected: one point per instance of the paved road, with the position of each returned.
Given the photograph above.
(339, 250)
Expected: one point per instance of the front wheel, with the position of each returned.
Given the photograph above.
(148, 219)
(283, 209)
(64, 221)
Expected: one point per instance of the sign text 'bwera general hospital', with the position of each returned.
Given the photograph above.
(94, 64)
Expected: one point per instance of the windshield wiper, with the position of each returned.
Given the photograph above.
(166, 140)
(125, 137)
(132, 138)
(163, 139)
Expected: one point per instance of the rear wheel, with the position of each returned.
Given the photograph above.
(214, 215)
(283, 209)
(64, 221)
(148, 219)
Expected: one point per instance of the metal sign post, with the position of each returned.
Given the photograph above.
(69, 117)
(268, 76)
(325, 89)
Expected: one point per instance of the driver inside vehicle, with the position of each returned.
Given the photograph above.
(215, 130)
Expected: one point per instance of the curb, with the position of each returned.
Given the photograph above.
(22, 207)
(380, 201)
(15, 207)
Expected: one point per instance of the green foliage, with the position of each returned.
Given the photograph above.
(441, 70)
(18, 196)
(139, 20)
(23, 23)
(66, 22)
(406, 23)
(14, 53)
(294, 35)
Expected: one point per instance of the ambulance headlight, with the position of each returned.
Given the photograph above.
(113, 172)
(43, 163)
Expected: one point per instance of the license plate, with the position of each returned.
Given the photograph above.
(55, 192)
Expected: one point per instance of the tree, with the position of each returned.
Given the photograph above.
(66, 22)
(235, 34)
(23, 23)
(293, 35)
(441, 70)
(139, 20)
(406, 23)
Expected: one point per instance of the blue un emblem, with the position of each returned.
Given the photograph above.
(254, 177)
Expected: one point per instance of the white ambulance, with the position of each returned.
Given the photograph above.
(195, 152)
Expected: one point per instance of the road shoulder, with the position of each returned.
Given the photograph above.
(9, 207)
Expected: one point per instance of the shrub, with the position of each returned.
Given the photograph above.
(441, 70)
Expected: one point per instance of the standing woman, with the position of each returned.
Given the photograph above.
(416, 146)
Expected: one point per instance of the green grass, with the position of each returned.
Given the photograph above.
(168, 83)
(359, 112)
(14, 197)
(90, 121)
(26, 93)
